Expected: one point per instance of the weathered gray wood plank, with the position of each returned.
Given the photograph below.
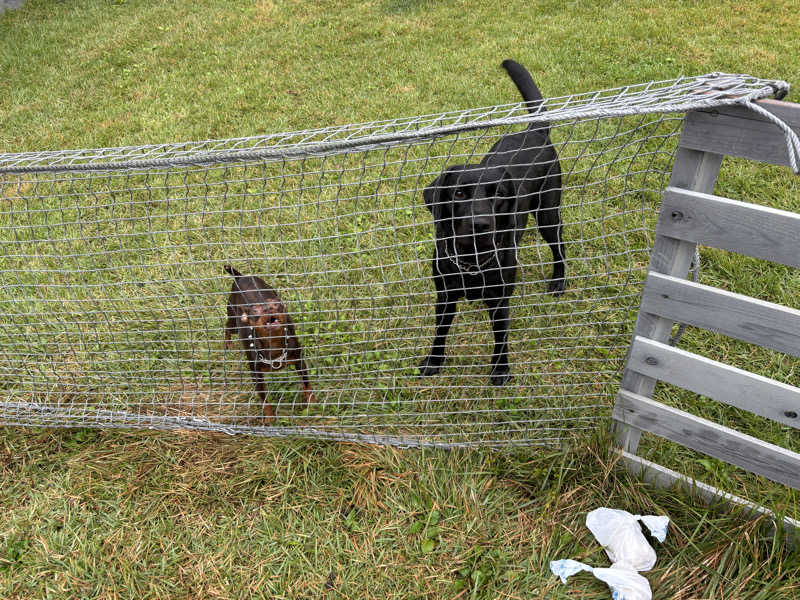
(747, 452)
(738, 131)
(692, 170)
(757, 231)
(665, 478)
(748, 319)
(759, 395)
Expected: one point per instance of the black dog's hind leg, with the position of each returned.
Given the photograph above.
(501, 322)
(446, 305)
(549, 224)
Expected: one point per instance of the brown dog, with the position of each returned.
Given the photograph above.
(266, 331)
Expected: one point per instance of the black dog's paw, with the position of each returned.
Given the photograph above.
(501, 374)
(557, 286)
(430, 366)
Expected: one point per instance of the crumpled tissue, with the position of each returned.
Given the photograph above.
(619, 533)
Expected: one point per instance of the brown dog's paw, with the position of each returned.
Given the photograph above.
(230, 344)
(269, 415)
(308, 397)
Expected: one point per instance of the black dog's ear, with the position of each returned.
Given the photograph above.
(433, 194)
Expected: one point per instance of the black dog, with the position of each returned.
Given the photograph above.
(266, 331)
(480, 212)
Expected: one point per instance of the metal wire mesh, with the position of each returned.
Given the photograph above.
(113, 299)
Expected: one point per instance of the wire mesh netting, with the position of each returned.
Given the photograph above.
(114, 294)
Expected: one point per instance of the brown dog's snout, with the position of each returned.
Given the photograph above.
(270, 331)
(276, 316)
(271, 315)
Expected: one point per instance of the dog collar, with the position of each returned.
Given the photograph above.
(466, 267)
(274, 363)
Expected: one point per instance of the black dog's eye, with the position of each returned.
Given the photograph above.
(459, 195)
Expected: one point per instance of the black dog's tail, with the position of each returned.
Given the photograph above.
(524, 82)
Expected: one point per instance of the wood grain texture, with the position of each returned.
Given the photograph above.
(732, 386)
(747, 452)
(749, 229)
(692, 170)
(748, 319)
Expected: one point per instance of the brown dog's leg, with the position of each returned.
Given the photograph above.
(258, 379)
(308, 395)
(230, 331)
(269, 412)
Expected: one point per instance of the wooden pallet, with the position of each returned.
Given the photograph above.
(691, 215)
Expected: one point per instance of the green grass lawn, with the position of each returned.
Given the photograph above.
(118, 514)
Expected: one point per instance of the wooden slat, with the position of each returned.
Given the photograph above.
(749, 229)
(759, 395)
(692, 170)
(747, 452)
(738, 131)
(665, 478)
(748, 319)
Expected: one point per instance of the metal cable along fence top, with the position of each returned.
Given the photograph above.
(114, 296)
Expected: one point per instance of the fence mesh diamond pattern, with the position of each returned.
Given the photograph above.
(113, 298)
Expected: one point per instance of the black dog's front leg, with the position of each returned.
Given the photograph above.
(499, 315)
(445, 312)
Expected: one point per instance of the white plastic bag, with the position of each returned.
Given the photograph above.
(619, 533)
(625, 584)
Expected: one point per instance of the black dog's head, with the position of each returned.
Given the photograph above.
(474, 210)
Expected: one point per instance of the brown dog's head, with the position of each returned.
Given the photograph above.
(474, 209)
(269, 326)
